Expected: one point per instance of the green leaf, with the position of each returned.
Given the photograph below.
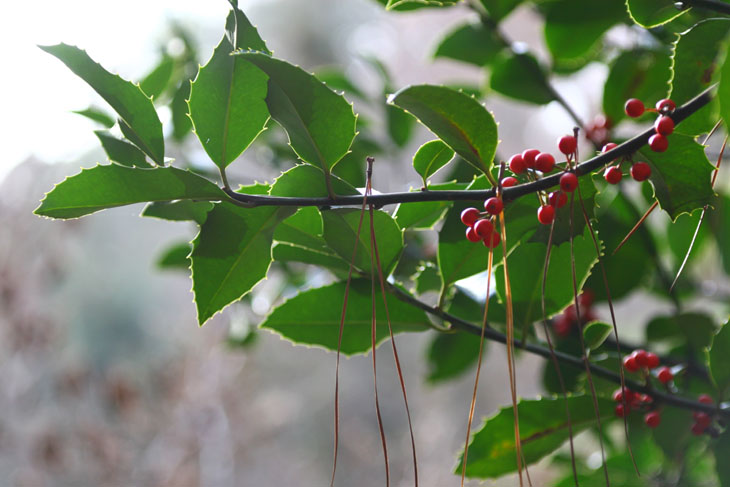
(308, 182)
(228, 97)
(721, 448)
(97, 115)
(423, 215)
(121, 151)
(340, 229)
(157, 80)
(680, 176)
(498, 9)
(543, 429)
(103, 187)
(723, 88)
(431, 157)
(416, 4)
(692, 330)
(313, 317)
(304, 229)
(176, 256)
(179, 211)
(652, 13)
(562, 226)
(456, 118)
(399, 124)
(457, 257)
(181, 123)
(519, 76)
(451, 354)
(572, 31)
(595, 333)
(720, 222)
(231, 254)
(471, 43)
(694, 62)
(638, 74)
(719, 355)
(427, 278)
(320, 123)
(126, 98)
(335, 78)
(285, 252)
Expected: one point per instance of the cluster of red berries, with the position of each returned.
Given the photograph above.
(636, 401)
(642, 360)
(702, 419)
(640, 171)
(563, 324)
(482, 229)
(663, 126)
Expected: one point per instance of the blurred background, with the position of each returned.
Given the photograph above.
(107, 379)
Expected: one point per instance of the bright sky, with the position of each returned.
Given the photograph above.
(39, 92)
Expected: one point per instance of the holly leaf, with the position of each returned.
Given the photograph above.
(121, 151)
(471, 43)
(157, 80)
(595, 333)
(286, 252)
(179, 211)
(228, 97)
(680, 176)
(136, 110)
(307, 181)
(723, 88)
(423, 215)
(181, 123)
(313, 318)
(498, 9)
(320, 123)
(719, 359)
(543, 429)
(427, 278)
(519, 76)
(405, 5)
(456, 118)
(652, 13)
(103, 187)
(431, 157)
(231, 254)
(457, 257)
(97, 115)
(175, 257)
(450, 355)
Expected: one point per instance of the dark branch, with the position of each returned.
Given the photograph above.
(509, 194)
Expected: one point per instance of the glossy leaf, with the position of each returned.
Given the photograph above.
(457, 257)
(680, 176)
(456, 118)
(520, 76)
(652, 13)
(304, 229)
(719, 360)
(543, 429)
(179, 211)
(228, 97)
(308, 182)
(595, 333)
(103, 187)
(340, 228)
(498, 9)
(423, 215)
(427, 278)
(126, 98)
(97, 115)
(722, 452)
(470, 43)
(723, 88)
(286, 252)
(121, 151)
(336, 79)
(320, 123)
(431, 157)
(692, 329)
(231, 254)
(451, 354)
(157, 80)
(313, 318)
(181, 123)
(175, 257)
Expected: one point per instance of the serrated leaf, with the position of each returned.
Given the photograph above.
(103, 187)
(320, 123)
(595, 333)
(231, 254)
(227, 99)
(456, 118)
(340, 228)
(313, 318)
(303, 229)
(519, 76)
(179, 211)
(572, 31)
(652, 13)
(307, 181)
(680, 176)
(181, 123)
(431, 157)
(719, 359)
(97, 115)
(471, 43)
(498, 9)
(157, 80)
(335, 78)
(175, 257)
(286, 252)
(543, 429)
(694, 62)
(121, 151)
(450, 355)
(126, 98)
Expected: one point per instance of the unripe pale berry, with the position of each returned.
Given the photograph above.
(612, 175)
(640, 171)
(509, 181)
(493, 205)
(567, 144)
(483, 228)
(664, 125)
(634, 107)
(546, 214)
(528, 156)
(544, 162)
(568, 182)
(469, 216)
(658, 143)
(517, 164)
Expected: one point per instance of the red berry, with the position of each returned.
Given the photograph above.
(586, 299)
(568, 182)
(705, 399)
(544, 162)
(664, 125)
(652, 419)
(557, 199)
(698, 429)
(630, 364)
(658, 143)
(640, 171)
(634, 108)
(665, 105)
(509, 181)
(652, 360)
(517, 164)
(620, 411)
(612, 175)
(469, 216)
(471, 235)
(562, 326)
(608, 147)
(483, 228)
(665, 375)
(567, 144)
(494, 205)
(492, 240)
(640, 357)
(618, 395)
(702, 419)
(529, 156)
(546, 214)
